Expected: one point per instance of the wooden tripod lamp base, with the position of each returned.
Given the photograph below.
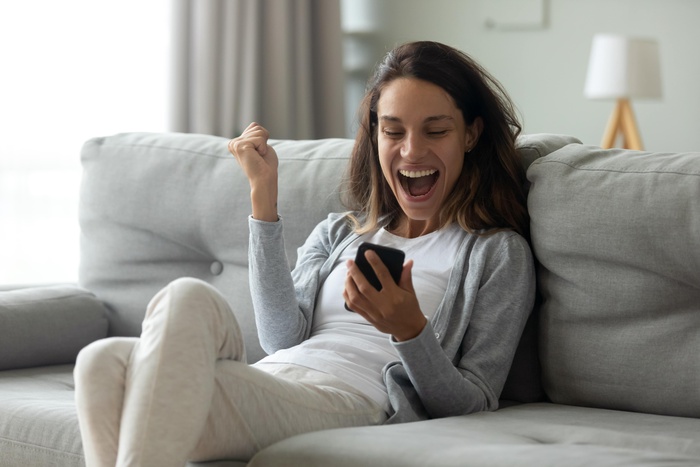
(622, 121)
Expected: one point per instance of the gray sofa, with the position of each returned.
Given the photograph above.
(607, 371)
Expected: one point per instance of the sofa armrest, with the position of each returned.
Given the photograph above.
(48, 325)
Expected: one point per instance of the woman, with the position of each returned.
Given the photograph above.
(435, 173)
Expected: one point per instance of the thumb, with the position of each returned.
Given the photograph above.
(406, 281)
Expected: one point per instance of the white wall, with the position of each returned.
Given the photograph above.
(544, 69)
(71, 71)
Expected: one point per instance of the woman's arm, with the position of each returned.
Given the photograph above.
(504, 294)
(279, 320)
(284, 301)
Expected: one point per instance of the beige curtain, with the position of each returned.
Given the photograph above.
(277, 62)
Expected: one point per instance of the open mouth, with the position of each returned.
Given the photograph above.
(417, 183)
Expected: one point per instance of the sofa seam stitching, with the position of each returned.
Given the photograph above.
(37, 447)
(589, 168)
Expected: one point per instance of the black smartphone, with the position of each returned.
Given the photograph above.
(392, 258)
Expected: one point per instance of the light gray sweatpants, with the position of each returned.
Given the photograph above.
(182, 391)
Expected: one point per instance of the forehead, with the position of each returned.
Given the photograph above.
(409, 97)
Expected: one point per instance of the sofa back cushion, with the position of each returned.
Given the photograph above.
(617, 236)
(155, 207)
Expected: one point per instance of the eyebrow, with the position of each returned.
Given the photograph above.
(434, 118)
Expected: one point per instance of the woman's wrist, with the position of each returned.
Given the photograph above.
(413, 331)
(264, 205)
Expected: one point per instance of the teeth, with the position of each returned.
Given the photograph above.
(417, 173)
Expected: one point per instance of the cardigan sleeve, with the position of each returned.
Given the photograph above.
(284, 300)
(491, 309)
(280, 321)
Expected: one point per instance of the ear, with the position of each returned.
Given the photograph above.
(473, 132)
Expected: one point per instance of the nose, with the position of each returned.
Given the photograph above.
(414, 146)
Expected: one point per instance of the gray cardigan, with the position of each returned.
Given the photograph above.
(459, 362)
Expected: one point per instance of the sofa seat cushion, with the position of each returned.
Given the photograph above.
(531, 434)
(38, 421)
(38, 425)
(617, 235)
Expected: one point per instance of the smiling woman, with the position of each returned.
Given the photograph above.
(71, 71)
(435, 339)
(422, 138)
(433, 108)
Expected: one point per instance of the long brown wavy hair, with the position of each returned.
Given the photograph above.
(489, 194)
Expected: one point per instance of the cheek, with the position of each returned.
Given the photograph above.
(454, 168)
(458, 166)
(385, 164)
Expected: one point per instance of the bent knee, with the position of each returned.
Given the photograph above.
(191, 287)
(99, 355)
(189, 294)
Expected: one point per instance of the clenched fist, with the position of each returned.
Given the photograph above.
(259, 162)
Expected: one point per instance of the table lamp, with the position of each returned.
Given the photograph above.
(623, 68)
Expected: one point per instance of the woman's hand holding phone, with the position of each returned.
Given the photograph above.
(393, 308)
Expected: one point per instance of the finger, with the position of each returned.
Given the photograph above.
(259, 136)
(360, 311)
(255, 136)
(237, 146)
(351, 295)
(379, 268)
(251, 126)
(230, 146)
(357, 288)
(361, 283)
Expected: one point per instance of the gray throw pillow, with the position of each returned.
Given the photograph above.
(48, 325)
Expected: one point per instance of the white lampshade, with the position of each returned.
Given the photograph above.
(623, 67)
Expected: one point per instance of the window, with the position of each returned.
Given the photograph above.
(72, 70)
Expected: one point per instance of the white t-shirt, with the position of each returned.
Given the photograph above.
(344, 344)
